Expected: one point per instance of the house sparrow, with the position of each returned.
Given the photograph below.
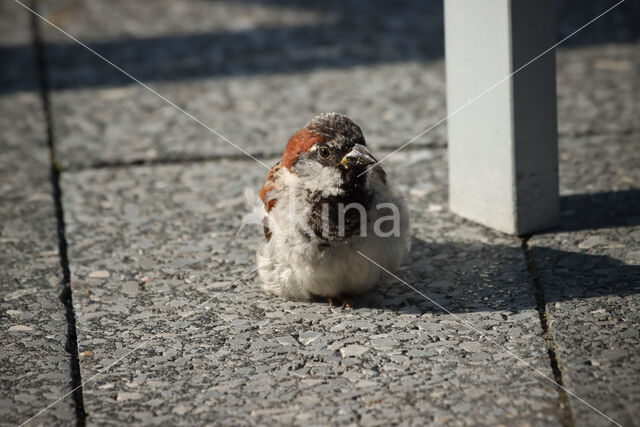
(323, 202)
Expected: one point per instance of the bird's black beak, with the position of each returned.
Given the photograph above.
(358, 157)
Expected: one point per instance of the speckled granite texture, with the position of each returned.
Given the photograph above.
(172, 325)
(35, 367)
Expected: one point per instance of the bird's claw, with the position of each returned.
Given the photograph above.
(345, 303)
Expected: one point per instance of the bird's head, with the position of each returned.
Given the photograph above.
(329, 154)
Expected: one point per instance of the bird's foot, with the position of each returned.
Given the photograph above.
(345, 303)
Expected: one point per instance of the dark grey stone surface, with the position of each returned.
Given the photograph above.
(17, 56)
(34, 366)
(148, 244)
(257, 71)
(597, 87)
(257, 114)
(590, 272)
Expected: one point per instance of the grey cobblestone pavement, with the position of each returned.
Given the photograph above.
(35, 365)
(259, 358)
(172, 326)
(36, 368)
(589, 271)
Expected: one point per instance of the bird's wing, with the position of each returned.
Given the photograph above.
(268, 199)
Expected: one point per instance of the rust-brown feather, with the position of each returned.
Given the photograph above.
(268, 200)
(269, 185)
(300, 142)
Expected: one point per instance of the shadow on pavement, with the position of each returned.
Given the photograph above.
(600, 210)
(474, 277)
(349, 33)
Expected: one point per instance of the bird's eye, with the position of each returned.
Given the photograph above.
(324, 152)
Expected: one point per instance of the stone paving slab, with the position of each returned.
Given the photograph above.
(260, 72)
(597, 87)
(149, 243)
(256, 72)
(259, 114)
(18, 72)
(34, 366)
(169, 41)
(592, 283)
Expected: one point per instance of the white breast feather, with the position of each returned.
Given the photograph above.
(293, 266)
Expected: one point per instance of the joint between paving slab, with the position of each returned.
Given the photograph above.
(564, 404)
(71, 345)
